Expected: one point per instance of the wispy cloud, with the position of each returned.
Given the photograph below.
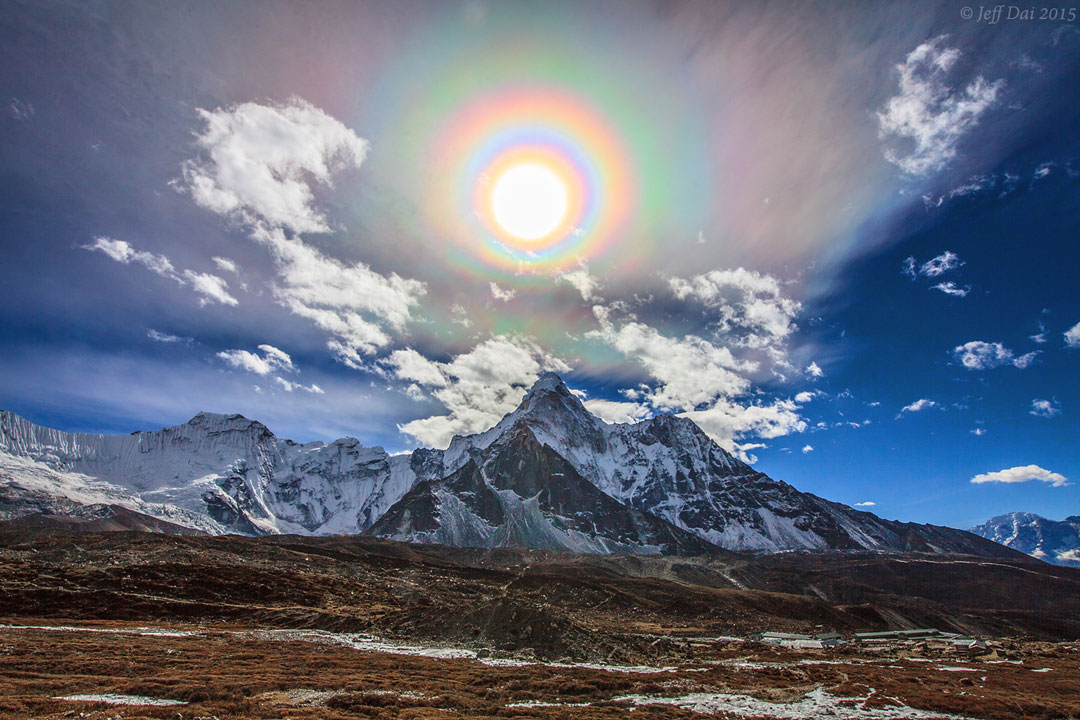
(166, 337)
(866, 503)
(211, 288)
(271, 361)
(951, 288)
(918, 406)
(928, 114)
(1045, 408)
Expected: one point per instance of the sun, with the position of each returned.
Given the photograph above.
(529, 201)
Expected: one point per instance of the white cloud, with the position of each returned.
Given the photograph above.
(978, 432)
(258, 165)
(1072, 336)
(805, 396)
(122, 252)
(581, 281)
(291, 386)
(979, 355)
(1022, 474)
(225, 264)
(807, 449)
(500, 294)
(211, 287)
(867, 503)
(691, 371)
(917, 406)
(1045, 408)
(165, 337)
(752, 307)
(941, 264)
(271, 361)
(477, 387)
(951, 288)
(459, 315)
(260, 161)
(814, 371)
(927, 114)
(726, 421)
(1038, 339)
(612, 411)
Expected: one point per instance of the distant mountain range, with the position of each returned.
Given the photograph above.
(549, 475)
(1055, 541)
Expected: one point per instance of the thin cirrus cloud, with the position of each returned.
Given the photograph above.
(924, 122)
(1022, 474)
(981, 355)
(210, 288)
(258, 165)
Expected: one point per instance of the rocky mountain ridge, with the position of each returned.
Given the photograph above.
(1053, 541)
(660, 485)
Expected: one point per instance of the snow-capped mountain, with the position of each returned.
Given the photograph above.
(217, 473)
(657, 485)
(516, 492)
(669, 467)
(1055, 541)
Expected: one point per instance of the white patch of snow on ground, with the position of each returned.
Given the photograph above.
(114, 699)
(542, 703)
(1042, 670)
(156, 632)
(814, 705)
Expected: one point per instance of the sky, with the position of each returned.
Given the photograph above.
(840, 237)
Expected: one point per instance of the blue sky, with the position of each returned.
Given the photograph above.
(841, 238)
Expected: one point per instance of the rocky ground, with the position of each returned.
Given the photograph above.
(124, 670)
(356, 627)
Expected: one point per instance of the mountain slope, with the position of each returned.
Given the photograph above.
(217, 473)
(1055, 541)
(519, 493)
(225, 473)
(669, 467)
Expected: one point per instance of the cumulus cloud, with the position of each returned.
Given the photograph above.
(271, 361)
(928, 116)
(727, 421)
(1045, 408)
(917, 406)
(1072, 336)
(258, 165)
(1021, 474)
(807, 449)
(288, 386)
(751, 307)
(225, 264)
(867, 503)
(936, 267)
(477, 387)
(691, 370)
(581, 281)
(211, 288)
(805, 396)
(502, 294)
(260, 161)
(814, 371)
(941, 264)
(979, 355)
(613, 411)
(978, 432)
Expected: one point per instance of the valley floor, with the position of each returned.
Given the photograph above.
(127, 670)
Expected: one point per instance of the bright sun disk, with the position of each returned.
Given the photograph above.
(529, 201)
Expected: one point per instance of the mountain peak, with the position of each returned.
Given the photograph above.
(549, 382)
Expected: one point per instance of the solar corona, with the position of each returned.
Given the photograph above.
(540, 177)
